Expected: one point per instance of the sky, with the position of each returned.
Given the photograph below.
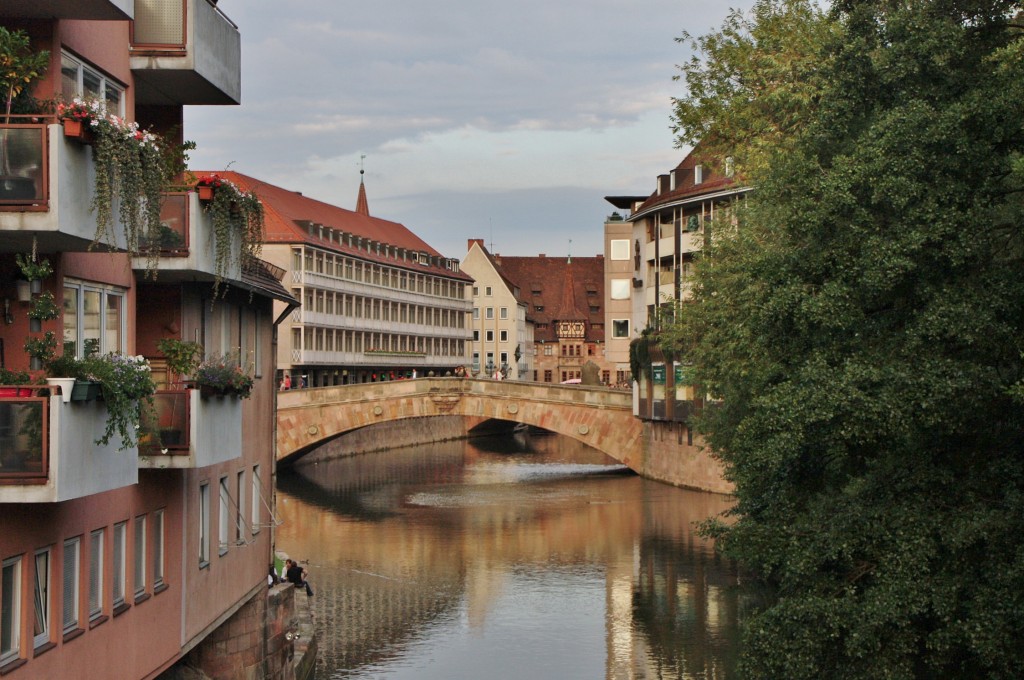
(506, 121)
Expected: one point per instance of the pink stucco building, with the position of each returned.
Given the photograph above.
(118, 561)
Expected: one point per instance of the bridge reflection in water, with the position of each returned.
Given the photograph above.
(502, 558)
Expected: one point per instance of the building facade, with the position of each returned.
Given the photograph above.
(502, 332)
(565, 298)
(377, 302)
(118, 559)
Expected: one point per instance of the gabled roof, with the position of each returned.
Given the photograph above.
(288, 214)
(512, 286)
(686, 190)
(542, 281)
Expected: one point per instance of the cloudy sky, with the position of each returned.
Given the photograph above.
(507, 121)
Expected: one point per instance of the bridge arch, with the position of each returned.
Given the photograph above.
(599, 417)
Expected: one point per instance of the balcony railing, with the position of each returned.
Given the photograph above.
(48, 449)
(24, 444)
(187, 430)
(94, 10)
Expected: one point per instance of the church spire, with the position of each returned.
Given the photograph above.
(362, 207)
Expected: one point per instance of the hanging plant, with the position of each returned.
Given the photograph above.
(129, 167)
(237, 225)
(43, 307)
(31, 269)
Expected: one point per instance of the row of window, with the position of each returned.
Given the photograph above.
(338, 340)
(87, 563)
(231, 504)
(489, 313)
(360, 307)
(489, 336)
(341, 267)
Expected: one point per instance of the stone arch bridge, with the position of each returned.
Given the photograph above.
(599, 417)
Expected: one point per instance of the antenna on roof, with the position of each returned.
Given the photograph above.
(490, 226)
(570, 251)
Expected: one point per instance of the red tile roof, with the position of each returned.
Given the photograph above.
(542, 280)
(287, 213)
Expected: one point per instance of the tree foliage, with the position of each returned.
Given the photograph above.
(863, 328)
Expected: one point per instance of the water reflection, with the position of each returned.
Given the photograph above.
(507, 559)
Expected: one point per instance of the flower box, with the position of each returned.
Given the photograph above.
(86, 390)
(78, 129)
(205, 192)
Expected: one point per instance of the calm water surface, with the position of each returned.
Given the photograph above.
(507, 558)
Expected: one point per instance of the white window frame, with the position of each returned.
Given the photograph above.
(618, 249)
(502, 336)
(488, 336)
(104, 291)
(72, 565)
(11, 649)
(615, 327)
(158, 548)
(41, 590)
(222, 516)
(139, 558)
(97, 546)
(105, 83)
(240, 501)
(619, 289)
(257, 493)
(118, 570)
(503, 313)
(204, 524)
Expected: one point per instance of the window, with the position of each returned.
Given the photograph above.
(158, 548)
(257, 493)
(619, 249)
(620, 328)
(549, 350)
(489, 336)
(93, 318)
(490, 312)
(487, 291)
(72, 563)
(476, 336)
(222, 524)
(41, 599)
(204, 524)
(503, 313)
(698, 174)
(503, 336)
(476, 312)
(139, 573)
(117, 557)
(80, 80)
(96, 544)
(239, 521)
(620, 289)
(10, 609)
(476, 291)
(547, 376)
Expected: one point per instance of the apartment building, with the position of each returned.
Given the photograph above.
(378, 303)
(502, 331)
(118, 559)
(565, 298)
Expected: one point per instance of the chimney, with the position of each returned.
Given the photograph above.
(470, 242)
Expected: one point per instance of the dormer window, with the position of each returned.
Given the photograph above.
(698, 174)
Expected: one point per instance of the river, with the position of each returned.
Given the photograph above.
(507, 558)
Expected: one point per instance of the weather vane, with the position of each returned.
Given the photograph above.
(362, 157)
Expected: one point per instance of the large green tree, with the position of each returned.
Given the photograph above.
(862, 325)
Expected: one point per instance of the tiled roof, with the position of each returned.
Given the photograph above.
(287, 212)
(541, 281)
(713, 182)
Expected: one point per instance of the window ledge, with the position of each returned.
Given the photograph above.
(43, 649)
(121, 608)
(12, 665)
(142, 597)
(72, 634)
(97, 621)
(159, 588)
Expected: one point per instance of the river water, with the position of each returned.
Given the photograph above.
(512, 557)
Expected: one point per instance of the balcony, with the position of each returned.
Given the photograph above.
(94, 10)
(185, 52)
(48, 452)
(46, 189)
(185, 242)
(188, 430)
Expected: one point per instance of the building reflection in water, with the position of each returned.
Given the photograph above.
(506, 558)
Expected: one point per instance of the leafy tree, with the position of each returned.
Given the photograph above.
(863, 325)
(751, 86)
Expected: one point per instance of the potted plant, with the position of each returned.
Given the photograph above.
(128, 388)
(64, 371)
(77, 118)
(33, 271)
(237, 223)
(182, 356)
(223, 376)
(9, 377)
(41, 349)
(19, 66)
